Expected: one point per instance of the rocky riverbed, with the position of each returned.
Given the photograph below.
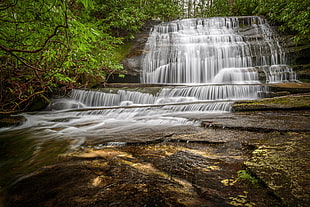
(253, 157)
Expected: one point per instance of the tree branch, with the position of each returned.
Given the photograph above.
(4, 6)
(20, 59)
(27, 99)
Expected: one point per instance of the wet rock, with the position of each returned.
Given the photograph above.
(280, 141)
(262, 121)
(296, 54)
(182, 166)
(282, 164)
(303, 72)
(38, 103)
(291, 88)
(10, 120)
(145, 135)
(133, 60)
(290, 102)
(163, 174)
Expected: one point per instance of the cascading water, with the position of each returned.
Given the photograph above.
(207, 64)
(214, 50)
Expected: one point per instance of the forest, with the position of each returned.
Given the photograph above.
(56, 45)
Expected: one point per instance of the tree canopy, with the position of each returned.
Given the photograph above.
(45, 45)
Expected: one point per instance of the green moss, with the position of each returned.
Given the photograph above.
(286, 101)
(283, 102)
(244, 176)
(121, 51)
(305, 67)
(305, 80)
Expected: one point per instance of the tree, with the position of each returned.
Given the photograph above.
(293, 16)
(47, 45)
(44, 45)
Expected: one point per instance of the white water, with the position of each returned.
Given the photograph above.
(208, 63)
(214, 50)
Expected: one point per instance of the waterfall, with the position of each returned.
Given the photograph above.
(89, 98)
(204, 64)
(214, 50)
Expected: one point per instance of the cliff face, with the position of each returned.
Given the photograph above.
(133, 60)
(298, 57)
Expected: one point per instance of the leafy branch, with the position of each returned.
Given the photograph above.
(11, 50)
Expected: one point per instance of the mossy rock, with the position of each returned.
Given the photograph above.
(290, 102)
(38, 103)
(292, 88)
(281, 164)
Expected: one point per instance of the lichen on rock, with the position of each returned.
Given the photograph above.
(282, 166)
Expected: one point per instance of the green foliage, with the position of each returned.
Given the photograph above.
(244, 7)
(220, 8)
(205, 8)
(162, 9)
(244, 176)
(45, 45)
(118, 18)
(292, 16)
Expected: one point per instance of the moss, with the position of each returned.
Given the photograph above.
(241, 200)
(245, 176)
(288, 101)
(122, 51)
(305, 80)
(281, 164)
(283, 102)
(292, 88)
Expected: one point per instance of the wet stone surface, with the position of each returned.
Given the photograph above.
(283, 164)
(201, 168)
(288, 102)
(264, 121)
(163, 174)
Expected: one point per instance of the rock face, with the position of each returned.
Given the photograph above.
(163, 174)
(132, 62)
(298, 57)
(7, 121)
